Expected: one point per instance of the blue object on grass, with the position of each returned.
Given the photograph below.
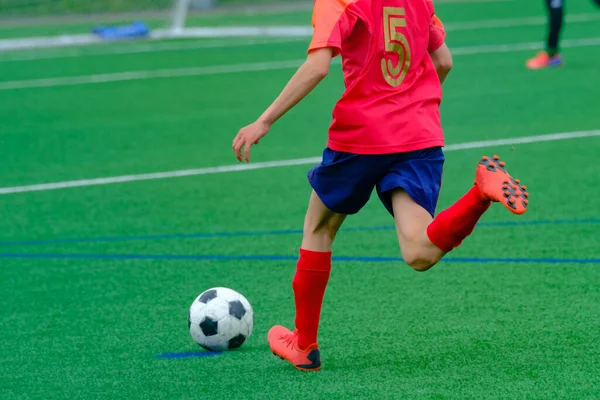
(135, 29)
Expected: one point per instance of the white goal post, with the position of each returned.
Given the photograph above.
(180, 12)
(175, 25)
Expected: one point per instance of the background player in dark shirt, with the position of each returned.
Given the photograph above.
(551, 57)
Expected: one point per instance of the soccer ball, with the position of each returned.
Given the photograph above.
(220, 319)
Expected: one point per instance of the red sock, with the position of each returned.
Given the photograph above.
(451, 226)
(312, 274)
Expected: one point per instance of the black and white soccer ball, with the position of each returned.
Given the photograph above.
(220, 319)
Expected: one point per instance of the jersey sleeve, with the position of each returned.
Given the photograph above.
(332, 24)
(437, 34)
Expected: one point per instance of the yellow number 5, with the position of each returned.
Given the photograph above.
(395, 42)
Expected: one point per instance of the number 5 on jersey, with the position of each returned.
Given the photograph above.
(394, 71)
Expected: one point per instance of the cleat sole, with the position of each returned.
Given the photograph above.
(512, 190)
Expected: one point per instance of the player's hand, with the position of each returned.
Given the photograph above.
(248, 136)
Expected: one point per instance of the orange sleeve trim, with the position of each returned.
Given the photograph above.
(326, 15)
(438, 23)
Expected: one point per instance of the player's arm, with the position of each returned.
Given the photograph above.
(439, 52)
(442, 59)
(308, 76)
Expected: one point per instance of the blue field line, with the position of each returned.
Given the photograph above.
(189, 354)
(270, 233)
(152, 237)
(219, 257)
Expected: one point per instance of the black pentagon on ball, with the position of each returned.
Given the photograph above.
(209, 326)
(237, 309)
(207, 296)
(236, 341)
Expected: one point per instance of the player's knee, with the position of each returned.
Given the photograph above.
(324, 231)
(419, 261)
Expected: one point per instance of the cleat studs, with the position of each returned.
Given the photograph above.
(502, 163)
(526, 194)
(484, 158)
(507, 193)
(515, 187)
(496, 157)
(492, 164)
(523, 187)
(505, 186)
(511, 201)
(517, 181)
(525, 201)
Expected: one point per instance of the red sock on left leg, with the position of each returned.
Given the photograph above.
(310, 281)
(453, 225)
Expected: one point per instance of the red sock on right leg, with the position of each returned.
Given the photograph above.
(310, 281)
(453, 225)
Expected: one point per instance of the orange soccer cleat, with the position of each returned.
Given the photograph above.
(543, 60)
(497, 185)
(284, 343)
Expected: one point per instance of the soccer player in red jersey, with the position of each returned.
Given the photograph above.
(385, 135)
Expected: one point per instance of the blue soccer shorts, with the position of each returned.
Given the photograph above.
(344, 181)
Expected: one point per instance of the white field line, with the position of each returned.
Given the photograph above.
(507, 48)
(275, 164)
(141, 75)
(235, 31)
(159, 34)
(307, 31)
(48, 41)
(259, 31)
(260, 66)
(515, 22)
(147, 47)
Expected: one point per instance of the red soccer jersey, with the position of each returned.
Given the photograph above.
(392, 97)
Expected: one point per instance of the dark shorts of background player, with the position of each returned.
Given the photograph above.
(344, 181)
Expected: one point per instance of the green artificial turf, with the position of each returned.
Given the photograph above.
(84, 319)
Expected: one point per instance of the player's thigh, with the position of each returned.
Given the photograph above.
(410, 191)
(411, 221)
(320, 225)
(419, 173)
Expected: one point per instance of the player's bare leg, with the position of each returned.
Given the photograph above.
(300, 347)
(424, 240)
(320, 225)
(412, 221)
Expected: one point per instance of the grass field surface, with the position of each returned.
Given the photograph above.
(96, 281)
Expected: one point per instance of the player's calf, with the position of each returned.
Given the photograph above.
(320, 225)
